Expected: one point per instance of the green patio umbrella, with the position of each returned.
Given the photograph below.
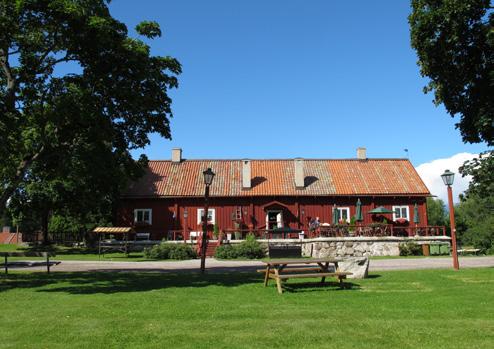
(336, 215)
(380, 210)
(416, 218)
(358, 213)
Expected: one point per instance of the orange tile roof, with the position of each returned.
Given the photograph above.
(276, 178)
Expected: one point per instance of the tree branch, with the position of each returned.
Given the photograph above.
(4, 63)
(23, 166)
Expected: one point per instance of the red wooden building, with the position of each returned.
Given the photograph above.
(264, 194)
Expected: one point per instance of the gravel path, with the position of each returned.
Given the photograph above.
(214, 265)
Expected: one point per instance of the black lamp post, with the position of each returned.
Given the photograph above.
(448, 179)
(208, 179)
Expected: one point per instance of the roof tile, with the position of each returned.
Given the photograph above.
(276, 178)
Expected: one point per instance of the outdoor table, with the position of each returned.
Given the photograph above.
(283, 269)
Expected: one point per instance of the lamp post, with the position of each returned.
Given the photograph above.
(448, 178)
(208, 179)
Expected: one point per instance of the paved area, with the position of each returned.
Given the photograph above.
(214, 265)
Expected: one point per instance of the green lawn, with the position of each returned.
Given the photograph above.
(68, 253)
(406, 309)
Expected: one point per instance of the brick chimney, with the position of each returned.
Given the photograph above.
(177, 155)
(246, 174)
(361, 153)
(299, 173)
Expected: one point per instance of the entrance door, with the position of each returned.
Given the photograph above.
(274, 219)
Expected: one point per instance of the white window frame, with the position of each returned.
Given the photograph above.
(401, 207)
(143, 210)
(347, 209)
(211, 212)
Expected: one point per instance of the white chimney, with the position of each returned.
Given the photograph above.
(361, 153)
(299, 173)
(177, 155)
(246, 174)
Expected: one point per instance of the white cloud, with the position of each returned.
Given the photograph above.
(431, 175)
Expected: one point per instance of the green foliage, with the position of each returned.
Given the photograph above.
(436, 214)
(170, 251)
(216, 230)
(227, 251)
(475, 222)
(249, 248)
(482, 171)
(454, 40)
(68, 138)
(149, 29)
(410, 249)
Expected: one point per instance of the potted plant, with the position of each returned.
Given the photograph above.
(216, 231)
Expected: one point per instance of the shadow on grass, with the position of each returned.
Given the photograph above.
(108, 283)
(87, 283)
(59, 250)
(313, 286)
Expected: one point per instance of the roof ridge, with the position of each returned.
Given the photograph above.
(289, 159)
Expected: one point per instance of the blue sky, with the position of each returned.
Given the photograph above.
(285, 79)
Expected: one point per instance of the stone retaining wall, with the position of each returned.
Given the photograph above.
(362, 246)
(356, 246)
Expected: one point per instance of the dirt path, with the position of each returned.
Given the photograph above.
(214, 265)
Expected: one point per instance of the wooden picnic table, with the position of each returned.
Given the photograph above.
(284, 269)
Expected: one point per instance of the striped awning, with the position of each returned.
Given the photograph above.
(113, 230)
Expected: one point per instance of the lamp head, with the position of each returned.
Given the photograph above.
(208, 176)
(448, 177)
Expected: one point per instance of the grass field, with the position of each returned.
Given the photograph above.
(68, 253)
(405, 309)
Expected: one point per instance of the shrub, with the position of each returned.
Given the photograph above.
(249, 248)
(226, 252)
(170, 251)
(410, 249)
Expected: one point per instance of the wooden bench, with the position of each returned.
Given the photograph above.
(311, 268)
(46, 255)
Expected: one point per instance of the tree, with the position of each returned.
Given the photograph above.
(76, 90)
(475, 222)
(436, 214)
(454, 41)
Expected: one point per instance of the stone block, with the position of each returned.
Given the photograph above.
(358, 266)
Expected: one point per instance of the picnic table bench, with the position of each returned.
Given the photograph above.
(285, 269)
(46, 255)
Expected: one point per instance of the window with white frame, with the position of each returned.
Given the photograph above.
(143, 215)
(401, 212)
(211, 215)
(344, 214)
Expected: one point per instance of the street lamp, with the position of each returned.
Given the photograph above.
(208, 179)
(448, 179)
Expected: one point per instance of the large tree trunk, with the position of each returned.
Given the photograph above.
(45, 216)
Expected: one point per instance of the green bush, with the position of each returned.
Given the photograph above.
(226, 252)
(249, 248)
(170, 251)
(410, 249)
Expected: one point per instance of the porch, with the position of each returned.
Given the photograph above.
(343, 230)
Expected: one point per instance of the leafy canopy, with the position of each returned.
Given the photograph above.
(77, 93)
(454, 41)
